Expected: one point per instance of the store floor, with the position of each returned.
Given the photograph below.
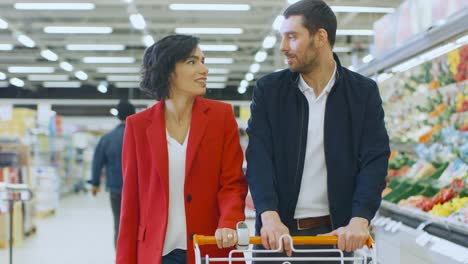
(81, 232)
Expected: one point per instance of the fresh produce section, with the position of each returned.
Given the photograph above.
(426, 111)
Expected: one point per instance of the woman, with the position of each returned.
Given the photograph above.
(181, 163)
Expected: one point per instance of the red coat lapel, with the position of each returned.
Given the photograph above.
(156, 135)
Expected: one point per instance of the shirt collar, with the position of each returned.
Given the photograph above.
(303, 86)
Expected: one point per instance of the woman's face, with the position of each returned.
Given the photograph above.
(189, 76)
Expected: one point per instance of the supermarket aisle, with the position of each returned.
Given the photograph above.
(79, 233)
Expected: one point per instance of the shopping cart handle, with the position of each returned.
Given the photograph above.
(297, 240)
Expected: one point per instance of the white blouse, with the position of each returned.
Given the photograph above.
(176, 224)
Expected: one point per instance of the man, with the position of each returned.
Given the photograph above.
(108, 154)
(318, 148)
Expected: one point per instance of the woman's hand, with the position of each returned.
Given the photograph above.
(226, 237)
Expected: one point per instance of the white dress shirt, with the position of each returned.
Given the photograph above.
(313, 195)
(176, 225)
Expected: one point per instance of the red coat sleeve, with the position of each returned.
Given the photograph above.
(129, 217)
(233, 189)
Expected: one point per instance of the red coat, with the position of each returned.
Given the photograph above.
(215, 187)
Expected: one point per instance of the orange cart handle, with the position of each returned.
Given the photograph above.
(297, 240)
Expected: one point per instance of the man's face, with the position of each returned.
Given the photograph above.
(298, 45)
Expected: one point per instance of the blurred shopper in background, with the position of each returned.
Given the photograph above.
(108, 154)
(182, 163)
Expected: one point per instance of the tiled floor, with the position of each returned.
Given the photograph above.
(81, 232)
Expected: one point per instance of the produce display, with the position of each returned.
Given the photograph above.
(427, 120)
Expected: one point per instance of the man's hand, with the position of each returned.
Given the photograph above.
(272, 230)
(353, 236)
(95, 190)
(226, 237)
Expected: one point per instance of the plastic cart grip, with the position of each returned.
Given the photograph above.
(297, 240)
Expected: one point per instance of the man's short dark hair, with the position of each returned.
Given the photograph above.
(159, 63)
(125, 109)
(315, 14)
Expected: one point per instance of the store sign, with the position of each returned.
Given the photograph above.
(6, 112)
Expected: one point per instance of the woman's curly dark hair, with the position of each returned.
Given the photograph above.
(159, 63)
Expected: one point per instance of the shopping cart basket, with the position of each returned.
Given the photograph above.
(244, 241)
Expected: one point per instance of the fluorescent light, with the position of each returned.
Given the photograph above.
(81, 75)
(123, 78)
(434, 53)
(49, 55)
(26, 41)
(407, 65)
(209, 7)
(148, 40)
(2, 76)
(219, 60)
(6, 46)
(26, 69)
(66, 66)
(216, 79)
(95, 47)
(254, 68)
(244, 83)
(127, 84)
(57, 77)
(342, 49)
(102, 87)
(118, 70)
(261, 56)
(109, 60)
(277, 23)
(78, 30)
(17, 82)
(269, 42)
(54, 6)
(220, 31)
(219, 47)
(362, 9)
(138, 22)
(355, 32)
(292, 1)
(3, 24)
(215, 85)
(114, 111)
(61, 84)
(462, 40)
(241, 89)
(368, 58)
(249, 76)
(218, 71)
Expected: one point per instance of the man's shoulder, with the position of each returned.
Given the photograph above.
(358, 80)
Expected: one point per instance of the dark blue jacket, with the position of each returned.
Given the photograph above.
(108, 153)
(355, 141)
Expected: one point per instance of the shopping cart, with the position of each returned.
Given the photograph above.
(244, 241)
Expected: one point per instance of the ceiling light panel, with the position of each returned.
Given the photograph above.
(118, 69)
(55, 6)
(109, 60)
(220, 31)
(26, 69)
(61, 84)
(209, 7)
(123, 78)
(6, 46)
(77, 30)
(97, 47)
(207, 47)
(40, 77)
(219, 60)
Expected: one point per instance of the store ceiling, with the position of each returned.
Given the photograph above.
(113, 15)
